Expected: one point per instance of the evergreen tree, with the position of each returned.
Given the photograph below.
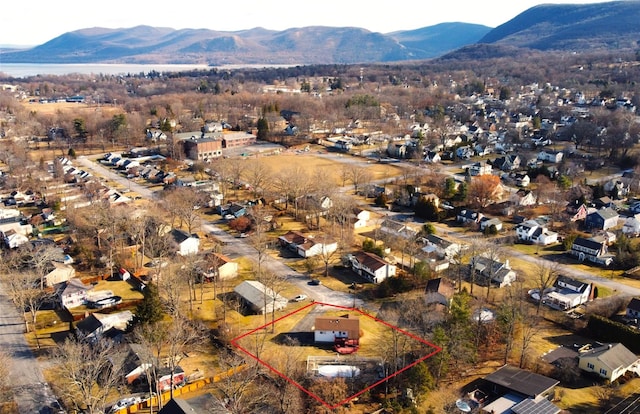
(150, 309)
(263, 129)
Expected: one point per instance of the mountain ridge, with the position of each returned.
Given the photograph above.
(569, 27)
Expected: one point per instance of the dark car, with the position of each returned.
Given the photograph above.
(315, 282)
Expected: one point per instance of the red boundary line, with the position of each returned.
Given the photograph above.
(235, 343)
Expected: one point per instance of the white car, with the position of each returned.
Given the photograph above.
(300, 298)
(124, 403)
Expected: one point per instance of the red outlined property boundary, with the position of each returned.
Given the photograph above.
(235, 342)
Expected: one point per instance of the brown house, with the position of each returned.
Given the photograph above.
(330, 329)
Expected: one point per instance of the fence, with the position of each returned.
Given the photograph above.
(188, 388)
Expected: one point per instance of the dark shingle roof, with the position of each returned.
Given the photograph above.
(518, 380)
(634, 304)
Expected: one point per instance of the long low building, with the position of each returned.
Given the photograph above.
(260, 298)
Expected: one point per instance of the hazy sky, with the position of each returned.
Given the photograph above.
(37, 21)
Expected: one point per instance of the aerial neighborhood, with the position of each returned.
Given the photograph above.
(365, 240)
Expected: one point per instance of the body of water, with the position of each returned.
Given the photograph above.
(22, 70)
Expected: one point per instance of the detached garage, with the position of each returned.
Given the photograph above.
(259, 298)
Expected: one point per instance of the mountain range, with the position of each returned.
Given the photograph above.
(572, 27)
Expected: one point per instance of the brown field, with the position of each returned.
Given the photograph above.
(329, 167)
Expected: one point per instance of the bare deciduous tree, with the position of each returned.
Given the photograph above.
(88, 372)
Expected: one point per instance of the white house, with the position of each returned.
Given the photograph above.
(361, 218)
(442, 247)
(631, 226)
(398, 228)
(480, 168)
(307, 245)
(187, 243)
(550, 156)
(370, 266)
(493, 271)
(534, 232)
(633, 309)
(487, 222)
(567, 293)
(73, 293)
(524, 198)
(609, 361)
(12, 239)
(327, 329)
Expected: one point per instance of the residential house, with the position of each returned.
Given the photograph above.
(19, 224)
(604, 202)
(97, 324)
(522, 179)
(464, 153)
(72, 293)
(328, 329)
(577, 210)
(187, 243)
(524, 198)
(343, 145)
(59, 273)
(603, 219)
(469, 217)
(307, 245)
(616, 188)
(398, 149)
(509, 379)
(221, 267)
(591, 250)
(432, 157)
(480, 168)
(631, 226)
(536, 233)
(633, 309)
(486, 222)
(398, 229)
(507, 163)
(371, 267)
(550, 156)
(11, 239)
(360, 218)
(609, 361)
(567, 293)
(519, 392)
(137, 362)
(492, 271)
(439, 291)
(259, 298)
(232, 209)
(443, 248)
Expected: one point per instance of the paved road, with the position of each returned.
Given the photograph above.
(31, 392)
(235, 246)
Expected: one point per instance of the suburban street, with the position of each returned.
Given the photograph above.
(235, 247)
(32, 393)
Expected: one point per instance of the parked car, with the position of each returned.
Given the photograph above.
(300, 298)
(315, 282)
(124, 403)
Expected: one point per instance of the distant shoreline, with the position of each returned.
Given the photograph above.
(23, 70)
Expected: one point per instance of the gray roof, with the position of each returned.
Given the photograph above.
(606, 213)
(612, 355)
(522, 381)
(254, 293)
